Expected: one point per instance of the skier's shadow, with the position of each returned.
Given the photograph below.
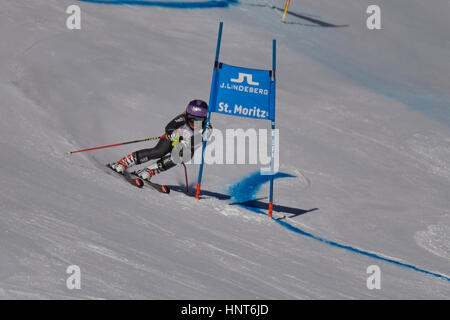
(256, 203)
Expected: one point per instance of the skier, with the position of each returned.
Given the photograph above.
(179, 130)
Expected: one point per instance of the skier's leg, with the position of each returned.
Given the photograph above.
(163, 164)
(162, 147)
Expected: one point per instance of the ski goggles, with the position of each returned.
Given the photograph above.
(195, 118)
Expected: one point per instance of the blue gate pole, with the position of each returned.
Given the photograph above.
(274, 60)
(212, 99)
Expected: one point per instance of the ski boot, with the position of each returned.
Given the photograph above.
(148, 173)
(122, 165)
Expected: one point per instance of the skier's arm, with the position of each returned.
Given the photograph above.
(173, 125)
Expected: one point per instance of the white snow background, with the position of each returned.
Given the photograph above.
(364, 128)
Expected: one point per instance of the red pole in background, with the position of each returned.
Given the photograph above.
(186, 178)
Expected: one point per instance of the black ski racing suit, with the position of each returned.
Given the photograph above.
(163, 148)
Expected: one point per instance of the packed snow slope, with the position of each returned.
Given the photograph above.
(363, 119)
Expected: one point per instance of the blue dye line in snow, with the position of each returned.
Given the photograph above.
(168, 4)
(246, 190)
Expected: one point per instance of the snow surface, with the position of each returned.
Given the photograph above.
(364, 126)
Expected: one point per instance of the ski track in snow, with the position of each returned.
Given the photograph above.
(436, 239)
(69, 89)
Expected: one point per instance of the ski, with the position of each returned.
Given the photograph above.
(135, 181)
(156, 186)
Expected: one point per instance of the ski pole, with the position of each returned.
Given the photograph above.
(116, 145)
(186, 178)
